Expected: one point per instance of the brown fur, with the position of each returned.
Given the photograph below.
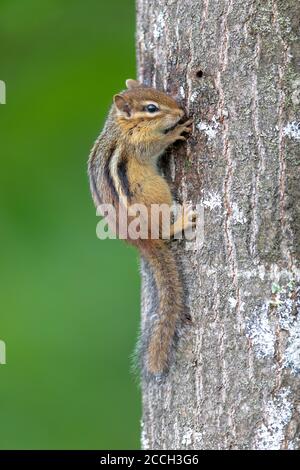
(138, 138)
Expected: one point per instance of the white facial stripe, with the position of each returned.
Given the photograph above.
(143, 114)
(145, 103)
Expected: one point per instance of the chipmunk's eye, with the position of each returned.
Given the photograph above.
(151, 108)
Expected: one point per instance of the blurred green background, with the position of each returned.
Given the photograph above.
(69, 302)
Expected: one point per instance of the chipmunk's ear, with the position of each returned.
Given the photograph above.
(133, 84)
(123, 107)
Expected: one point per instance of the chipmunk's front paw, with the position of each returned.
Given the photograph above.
(175, 134)
(190, 218)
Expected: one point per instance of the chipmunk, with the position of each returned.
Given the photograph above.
(122, 169)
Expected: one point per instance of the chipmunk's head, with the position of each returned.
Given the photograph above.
(145, 108)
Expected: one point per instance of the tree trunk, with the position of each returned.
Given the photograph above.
(234, 65)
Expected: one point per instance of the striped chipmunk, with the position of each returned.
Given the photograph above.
(123, 171)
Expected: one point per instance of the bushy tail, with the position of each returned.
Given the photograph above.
(159, 342)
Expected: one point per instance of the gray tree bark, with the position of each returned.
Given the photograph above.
(234, 64)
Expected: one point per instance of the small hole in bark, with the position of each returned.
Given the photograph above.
(199, 74)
